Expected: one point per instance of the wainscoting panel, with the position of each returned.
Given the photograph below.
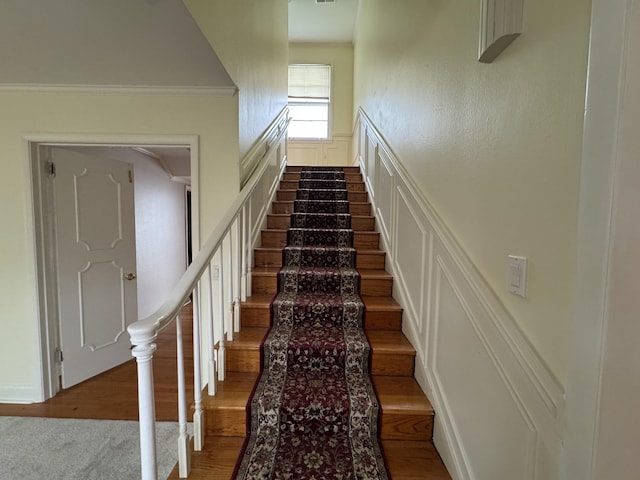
(410, 259)
(275, 132)
(474, 392)
(385, 184)
(371, 151)
(335, 151)
(498, 407)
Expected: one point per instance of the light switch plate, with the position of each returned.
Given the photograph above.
(517, 275)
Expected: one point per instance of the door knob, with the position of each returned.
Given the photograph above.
(130, 276)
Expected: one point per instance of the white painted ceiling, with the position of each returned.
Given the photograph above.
(324, 22)
(153, 43)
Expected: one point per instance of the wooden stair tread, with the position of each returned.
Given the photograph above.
(216, 460)
(388, 341)
(233, 393)
(258, 300)
(381, 304)
(364, 272)
(406, 460)
(371, 303)
(248, 338)
(413, 460)
(382, 341)
(401, 394)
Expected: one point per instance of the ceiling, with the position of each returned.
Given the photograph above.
(311, 22)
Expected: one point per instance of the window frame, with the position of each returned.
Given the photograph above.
(329, 104)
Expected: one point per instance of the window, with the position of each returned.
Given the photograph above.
(309, 100)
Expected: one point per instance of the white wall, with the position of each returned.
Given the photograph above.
(212, 119)
(160, 214)
(495, 148)
(337, 149)
(250, 38)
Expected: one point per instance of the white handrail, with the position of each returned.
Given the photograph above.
(144, 332)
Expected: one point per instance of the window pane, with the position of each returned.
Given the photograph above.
(309, 111)
(308, 129)
(309, 96)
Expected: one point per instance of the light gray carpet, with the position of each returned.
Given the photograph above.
(72, 449)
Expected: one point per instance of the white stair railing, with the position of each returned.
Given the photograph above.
(225, 259)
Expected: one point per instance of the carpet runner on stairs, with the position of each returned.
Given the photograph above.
(314, 413)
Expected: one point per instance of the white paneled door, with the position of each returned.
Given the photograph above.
(96, 262)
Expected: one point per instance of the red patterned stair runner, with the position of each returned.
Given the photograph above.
(314, 413)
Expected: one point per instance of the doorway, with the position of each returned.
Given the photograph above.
(46, 223)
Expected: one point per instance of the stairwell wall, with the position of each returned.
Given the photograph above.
(468, 163)
(251, 40)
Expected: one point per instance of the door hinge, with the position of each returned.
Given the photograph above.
(51, 169)
(130, 176)
(58, 356)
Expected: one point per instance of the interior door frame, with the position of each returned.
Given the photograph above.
(45, 271)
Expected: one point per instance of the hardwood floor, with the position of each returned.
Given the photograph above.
(113, 395)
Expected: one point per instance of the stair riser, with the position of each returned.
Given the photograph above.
(295, 176)
(371, 261)
(358, 224)
(354, 208)
(226, 422)
(351, 186)
(406, 426)
(290, 196)
(243, 360)
(361, 240)
(298, 168)
(248, 360)
(392, 364)
(267, 284)
(260, 316)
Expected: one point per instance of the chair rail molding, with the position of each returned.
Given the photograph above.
(472, 360)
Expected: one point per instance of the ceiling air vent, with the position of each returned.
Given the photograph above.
(325, 1)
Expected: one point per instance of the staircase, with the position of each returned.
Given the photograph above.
(406, 414)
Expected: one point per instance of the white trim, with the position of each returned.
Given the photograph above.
(121, 89)
(608, 54)
(19, 394)
(48, 373)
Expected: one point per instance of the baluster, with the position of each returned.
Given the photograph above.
(221, 348)
(237, 261)
(249, 246)
(213, 377)
(198, 414)
(143, 351)
(184, 455)
(243, 267)
(229, 268)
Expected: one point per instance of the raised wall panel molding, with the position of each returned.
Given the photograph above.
(500, 24)
(259, 149)
(332, 152)
(446, 301)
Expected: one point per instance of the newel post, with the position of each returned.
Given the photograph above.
(143, 351)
